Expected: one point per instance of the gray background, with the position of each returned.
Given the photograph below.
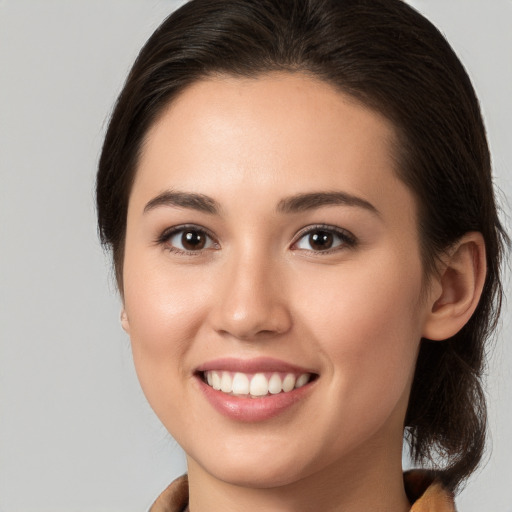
(75, 431)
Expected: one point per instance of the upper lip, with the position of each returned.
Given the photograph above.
(254, 365)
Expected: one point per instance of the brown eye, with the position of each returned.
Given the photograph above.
(188, 240)
(324, 239)
(193, 240)
(321, 240)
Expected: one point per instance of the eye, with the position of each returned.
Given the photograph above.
(187, 239)
(324, 239)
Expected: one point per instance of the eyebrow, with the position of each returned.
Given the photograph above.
(189, 200)
(294, 204)
(310, 201)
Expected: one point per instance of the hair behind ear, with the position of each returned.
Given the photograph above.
(446, 418)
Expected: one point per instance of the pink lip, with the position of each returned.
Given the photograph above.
(256, 365)
(245, 409)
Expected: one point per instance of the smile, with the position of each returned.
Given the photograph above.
(255, 389)
(255, 385)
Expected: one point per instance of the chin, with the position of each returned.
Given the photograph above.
(261, 469)
(263, 477)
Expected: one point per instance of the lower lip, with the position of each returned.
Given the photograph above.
(253, 409)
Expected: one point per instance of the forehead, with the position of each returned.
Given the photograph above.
(279, 133)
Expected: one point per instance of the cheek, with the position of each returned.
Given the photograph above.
(163, 302)
(366, 320)
(165, 312)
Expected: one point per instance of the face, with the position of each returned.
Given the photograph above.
(273, 280)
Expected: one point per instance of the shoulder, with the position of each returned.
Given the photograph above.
(174, 498)
(426, 492)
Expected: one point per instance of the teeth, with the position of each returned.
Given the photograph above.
(289, 382)
(215, 380)
(240, 384)
(256, 385)
(302, 380)
(226, 383)
(259, 385)
(274, 384)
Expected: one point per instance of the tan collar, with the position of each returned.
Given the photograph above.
(174, 498)
(426, 495)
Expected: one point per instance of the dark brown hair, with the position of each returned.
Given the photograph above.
(389, 57)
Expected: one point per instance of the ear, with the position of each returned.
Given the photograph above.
(457, 288)
(125, 324)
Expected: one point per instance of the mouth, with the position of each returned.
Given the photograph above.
(255, 385)
(254, 390)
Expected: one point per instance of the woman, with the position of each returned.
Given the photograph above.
(298, 198)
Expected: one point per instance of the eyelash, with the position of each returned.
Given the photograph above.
(167, 235)
(346, 239)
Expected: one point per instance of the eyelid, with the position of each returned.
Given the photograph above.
(348, 239)
(168, 233)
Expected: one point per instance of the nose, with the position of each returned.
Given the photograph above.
(252, 301)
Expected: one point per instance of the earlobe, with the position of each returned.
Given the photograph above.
(461, 281)
(125, 324)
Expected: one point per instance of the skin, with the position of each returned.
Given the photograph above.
(353, 315)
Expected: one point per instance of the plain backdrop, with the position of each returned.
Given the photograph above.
(75, 431)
